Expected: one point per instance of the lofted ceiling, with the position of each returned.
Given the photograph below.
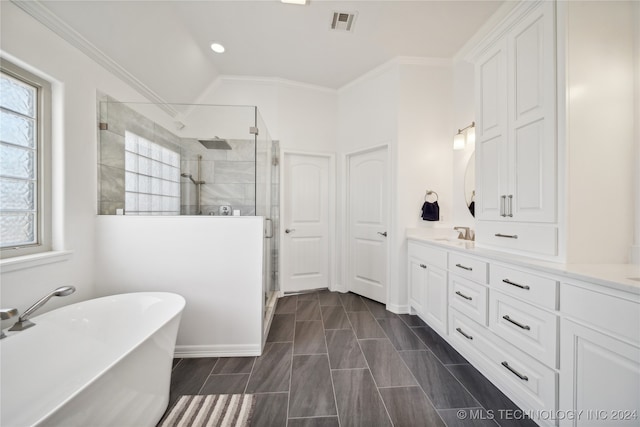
(165, 44)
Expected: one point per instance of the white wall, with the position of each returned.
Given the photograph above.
(424, 156)
(302, 117)
(367, 117)
(407, 105)
(635, 250)
(215, 263)
(600, 131)
(463, 115)
(75, 80)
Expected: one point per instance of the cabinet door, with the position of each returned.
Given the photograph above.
(532, 119)
(435, 299)
(491, 132)
(600, 376)
(417, 279)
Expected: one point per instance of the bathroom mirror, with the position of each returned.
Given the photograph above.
(470, 184)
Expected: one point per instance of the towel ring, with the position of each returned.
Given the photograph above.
(428, 193)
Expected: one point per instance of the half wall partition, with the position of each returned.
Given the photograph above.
(205, 162)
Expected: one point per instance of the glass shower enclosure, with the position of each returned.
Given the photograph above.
(186, 159)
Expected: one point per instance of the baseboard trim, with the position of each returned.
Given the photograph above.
(399, 309)
(193, 351)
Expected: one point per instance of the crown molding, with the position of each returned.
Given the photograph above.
(424, 61)
(396, 62)
(278, 81)
(43, 15)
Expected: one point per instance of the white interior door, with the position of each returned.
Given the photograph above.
(305, 221)
(367, 220)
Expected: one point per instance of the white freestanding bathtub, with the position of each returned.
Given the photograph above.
(102, 362)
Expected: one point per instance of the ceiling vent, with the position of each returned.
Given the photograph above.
(343, 21)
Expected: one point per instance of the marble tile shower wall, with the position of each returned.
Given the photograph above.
(229, 175)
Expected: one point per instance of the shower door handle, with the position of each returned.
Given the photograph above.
(289, 230)
(268, 232)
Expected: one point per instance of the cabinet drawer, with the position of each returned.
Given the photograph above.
(468, 267)
(533, 288)
(428, 254)
(606, 309)
(522, 377)
(531, 329)
(538, 239)
(469, 298)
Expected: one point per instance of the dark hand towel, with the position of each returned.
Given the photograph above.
(431, 211)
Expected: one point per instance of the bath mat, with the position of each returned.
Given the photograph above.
(224, 410)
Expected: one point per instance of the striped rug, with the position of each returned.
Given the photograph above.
(215, 410)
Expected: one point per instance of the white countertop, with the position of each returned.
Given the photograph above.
(617, 276)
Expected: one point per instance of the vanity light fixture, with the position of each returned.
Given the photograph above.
(464, 135)
(300, 2)
(217, 48)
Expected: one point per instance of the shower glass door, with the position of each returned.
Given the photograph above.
(266, 191)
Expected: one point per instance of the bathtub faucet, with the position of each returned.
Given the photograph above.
(7, 313)
(24, 322)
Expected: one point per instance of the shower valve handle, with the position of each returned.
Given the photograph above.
(289, 230)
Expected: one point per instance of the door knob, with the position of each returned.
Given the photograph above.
(289, 230)
(383, 233)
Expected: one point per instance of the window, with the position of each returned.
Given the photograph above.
(152, 178)
(25, 146)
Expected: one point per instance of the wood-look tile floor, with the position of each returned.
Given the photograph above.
(342, 360)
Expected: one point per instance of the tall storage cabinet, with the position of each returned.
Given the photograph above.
(516, 149)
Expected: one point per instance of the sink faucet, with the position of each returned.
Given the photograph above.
(7, 313)
(24, 322)
(465, 233)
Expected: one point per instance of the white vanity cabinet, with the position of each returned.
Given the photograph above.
(428, 284)
(516, 150)
(600, 356)
(570, 348)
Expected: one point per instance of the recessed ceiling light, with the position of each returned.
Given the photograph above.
(302, 2)
(217, 47)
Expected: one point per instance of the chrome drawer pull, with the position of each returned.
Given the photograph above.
(423, 266)
(518, 324)
(510, 214)
(514, 372)
(502, 203)
(462, 266)
(509, 282)
(508, 236)
(463, 295)
(469, 337)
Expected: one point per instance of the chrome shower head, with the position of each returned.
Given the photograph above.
(215, 143)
